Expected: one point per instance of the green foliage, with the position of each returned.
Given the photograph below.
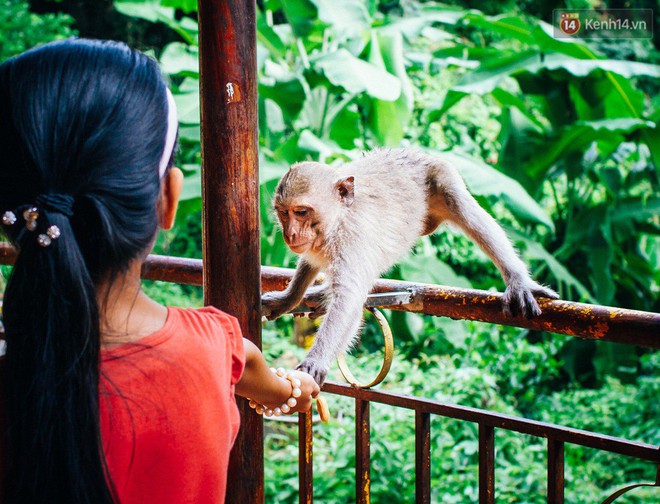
(21, 29)
(472, 376)
(574, 141)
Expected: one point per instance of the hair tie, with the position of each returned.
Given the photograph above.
(56, 203)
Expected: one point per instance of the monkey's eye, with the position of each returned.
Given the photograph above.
(300, 213)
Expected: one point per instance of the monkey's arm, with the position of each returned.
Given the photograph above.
(340, 326)
(276, 303)
(519, 297)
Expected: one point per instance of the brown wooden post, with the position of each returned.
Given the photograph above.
(230, 188)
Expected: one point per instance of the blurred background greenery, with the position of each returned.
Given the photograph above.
(556, 138)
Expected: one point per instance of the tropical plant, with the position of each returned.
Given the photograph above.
(21, 29)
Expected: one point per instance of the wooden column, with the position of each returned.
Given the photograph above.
(230, 188)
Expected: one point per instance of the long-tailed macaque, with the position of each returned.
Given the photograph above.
(355, 221)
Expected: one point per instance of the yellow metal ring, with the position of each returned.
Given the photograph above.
(387, 360)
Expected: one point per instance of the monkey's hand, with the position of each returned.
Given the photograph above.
(276, 303)
(519, 298)
(317, 369)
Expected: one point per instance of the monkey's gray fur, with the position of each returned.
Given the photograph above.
(355, 221)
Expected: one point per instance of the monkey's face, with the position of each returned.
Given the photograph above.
(299, 226)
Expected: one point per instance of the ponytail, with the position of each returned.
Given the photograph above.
(52, 366)
(82, 130)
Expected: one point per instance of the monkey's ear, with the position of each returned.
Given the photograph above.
(345, 189)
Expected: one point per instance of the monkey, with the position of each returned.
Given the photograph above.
(353, 222)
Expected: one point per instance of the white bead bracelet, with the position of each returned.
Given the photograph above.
(286, 406)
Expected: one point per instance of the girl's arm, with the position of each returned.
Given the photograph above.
(265, 387)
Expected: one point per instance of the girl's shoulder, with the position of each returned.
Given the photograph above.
(207, 321)
(217, 329)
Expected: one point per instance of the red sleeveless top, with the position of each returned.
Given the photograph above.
(168, 414)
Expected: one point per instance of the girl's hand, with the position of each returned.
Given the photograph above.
(309, 390)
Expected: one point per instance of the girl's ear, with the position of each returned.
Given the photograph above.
(170, 192)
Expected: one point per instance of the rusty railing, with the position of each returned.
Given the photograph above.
(577, 319)
(587, 321)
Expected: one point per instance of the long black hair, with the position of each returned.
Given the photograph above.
(82, 130)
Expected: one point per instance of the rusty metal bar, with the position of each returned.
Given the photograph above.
(555, 472)
(576, 319)
(422, 457)
(230, 192)
(501, 421)
(305, 463)
(486, 464)
(362, 452)
(605, 323)
(178, 270)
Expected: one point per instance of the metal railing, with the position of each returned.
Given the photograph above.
(588, 321)
(577, 319)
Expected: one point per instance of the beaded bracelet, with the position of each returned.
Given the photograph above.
(288, 404)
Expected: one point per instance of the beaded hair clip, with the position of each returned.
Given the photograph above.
(30, 216)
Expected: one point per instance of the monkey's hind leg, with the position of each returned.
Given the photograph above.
(459, 207)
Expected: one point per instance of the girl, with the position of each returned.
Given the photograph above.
(108, 396)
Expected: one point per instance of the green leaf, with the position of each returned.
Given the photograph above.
(180, 59)
(270, 170)
(285, 89)
(321, 148)
(450, 99)
(187, 105)
(492, 71)
(599, 96)
(636, 209)
(301, 15)
(430, 269)
(576, 137)
(269, 37)
(151, 10)
(343, 69)
(600, 257)
(581, 67)
(471, 53)
(623, 126)
(509, 99)
(445, 14)
(412, 27)
(348, 18)
(388, 120)
(345, 128)
(187, 6)
(192, 187)
(521, 139)
(508, 26)
(652, 139)
(484, 180)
